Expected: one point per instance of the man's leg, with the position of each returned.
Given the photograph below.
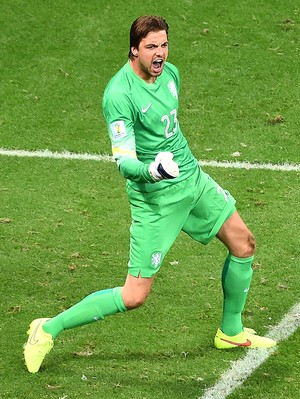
(151, 235)
(236, 279)
(101, 304)
(94, 307)
(237, 271)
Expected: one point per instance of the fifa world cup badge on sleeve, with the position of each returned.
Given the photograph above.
(118, 130)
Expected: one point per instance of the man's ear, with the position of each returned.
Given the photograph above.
(134, 51)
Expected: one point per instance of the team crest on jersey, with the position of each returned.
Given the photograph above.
(118, 130)
(156, 259)
(173, 89)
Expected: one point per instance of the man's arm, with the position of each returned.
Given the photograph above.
(135, 170)
(119, 118)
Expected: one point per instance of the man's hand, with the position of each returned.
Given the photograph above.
(164, 167)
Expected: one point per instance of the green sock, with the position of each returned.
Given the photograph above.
(92, 308)
(236, 279)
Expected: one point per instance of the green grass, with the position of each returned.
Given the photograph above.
(64, 225)
(236, 78)
(68, 236)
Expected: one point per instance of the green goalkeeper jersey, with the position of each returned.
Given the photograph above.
(142, 121)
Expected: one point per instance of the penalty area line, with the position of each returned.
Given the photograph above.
(241, 369)
(286, 167)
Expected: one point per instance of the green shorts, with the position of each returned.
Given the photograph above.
(198, 206)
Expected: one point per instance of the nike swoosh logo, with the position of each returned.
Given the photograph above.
(144, 110)
(247, 343)
(33, 340)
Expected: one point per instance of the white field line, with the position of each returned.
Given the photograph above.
(55, 155)
(107, 158)
(241, 369)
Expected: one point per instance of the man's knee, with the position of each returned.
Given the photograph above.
(135, 291)
(134, 300)
(237, 237)
(252, 243)
(248, 248)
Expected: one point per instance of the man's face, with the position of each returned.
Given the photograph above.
(151, 56)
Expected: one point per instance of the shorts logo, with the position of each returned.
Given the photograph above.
(118, 130)
(156, 259)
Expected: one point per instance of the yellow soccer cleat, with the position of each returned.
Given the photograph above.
(246, 339)
(39, 343)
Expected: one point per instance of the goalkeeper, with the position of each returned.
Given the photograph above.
(168, 193)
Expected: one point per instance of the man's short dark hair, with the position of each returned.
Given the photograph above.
(142, 26)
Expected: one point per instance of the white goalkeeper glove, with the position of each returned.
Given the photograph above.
(164, 167)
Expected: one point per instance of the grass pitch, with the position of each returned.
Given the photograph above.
(64, 224)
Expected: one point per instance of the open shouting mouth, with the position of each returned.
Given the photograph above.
(157, 65)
